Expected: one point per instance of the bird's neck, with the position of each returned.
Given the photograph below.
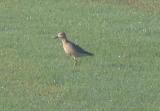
(64, 41)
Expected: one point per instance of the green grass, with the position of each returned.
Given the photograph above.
(36, 75)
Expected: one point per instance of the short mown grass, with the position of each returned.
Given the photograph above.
(36, 75)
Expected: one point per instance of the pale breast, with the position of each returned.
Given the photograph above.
(70, 50)
(67, 48)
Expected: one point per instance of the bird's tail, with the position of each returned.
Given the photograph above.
(89, 54)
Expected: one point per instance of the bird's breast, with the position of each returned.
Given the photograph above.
(71, 50)
(66, 49)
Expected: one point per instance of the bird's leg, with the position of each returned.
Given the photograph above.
(75, 61)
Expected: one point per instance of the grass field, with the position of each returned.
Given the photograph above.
(36, 75)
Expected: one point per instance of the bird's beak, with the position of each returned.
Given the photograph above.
(56, 37)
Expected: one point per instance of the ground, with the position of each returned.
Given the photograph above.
(123, 74)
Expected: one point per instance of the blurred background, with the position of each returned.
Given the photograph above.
(36, 75)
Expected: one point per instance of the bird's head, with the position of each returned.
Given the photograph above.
(61, 35)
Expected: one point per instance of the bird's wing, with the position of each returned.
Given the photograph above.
(80, 50)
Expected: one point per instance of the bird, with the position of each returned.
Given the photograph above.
(72, 49)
